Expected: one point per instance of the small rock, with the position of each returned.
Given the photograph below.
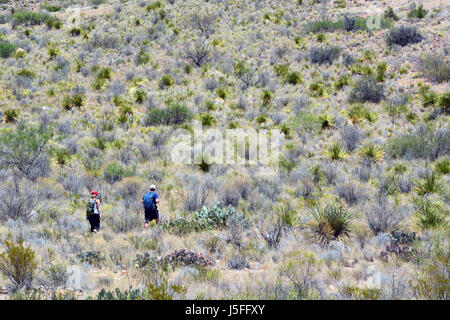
(338, 246)
(381, 239)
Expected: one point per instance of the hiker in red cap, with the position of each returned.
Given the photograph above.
(93, 214)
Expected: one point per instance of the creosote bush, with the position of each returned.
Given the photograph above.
(403, 35)
(18, 263)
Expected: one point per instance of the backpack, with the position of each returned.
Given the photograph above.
(149, 201)
(91, 207)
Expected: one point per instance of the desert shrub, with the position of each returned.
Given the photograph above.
(323, 55)
(204, 22)
(422, 143)
(174, 114)
(246, 74)
(21, 149)
(294, 78)
(29, 18)
(430, 214)
(166, 80)
(18, 263)
(331, 222)
(300, 268)
(417, 12)
(435, 67)
(6, 49)
(105, 41)
(142, 58)
(366, 89)
(235, 191)
(238, 262)
(128, 189)
(350, 192)
(97, 2)
(57, 275)
(271, 230)
(432, 282)
(94, 258)
(114, 172)
(198, 53)
(403, 35)
(198, 192)
(164, 290)
(383, 216)
(362, 293)
(350, 137)
(389, 13)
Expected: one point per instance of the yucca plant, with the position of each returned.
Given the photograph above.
(336, 152)
(140, 96)
(429, 214)
(207, 119)
(11, 115)
(327, 121)
(287, 215)
(442, 166)
(430, 184)
(332, 222)
(372, 152)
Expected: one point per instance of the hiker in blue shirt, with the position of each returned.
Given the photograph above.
(150, 202)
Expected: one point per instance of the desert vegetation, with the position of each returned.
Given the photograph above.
(92, 93)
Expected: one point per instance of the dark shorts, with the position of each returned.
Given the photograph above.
(151, 214)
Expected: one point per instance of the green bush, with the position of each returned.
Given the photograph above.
(389, 13)
(418, 12)
(294, 78)
(422, 143)
(31, 18)
(18, 263)
(164, 290)
(21, 148)
(166, 81)
(114, 172)
(175, 114)
(323, 55)
(432, 282)
(366, 89)
(6, 49)
(300, 268)
(435, 67)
